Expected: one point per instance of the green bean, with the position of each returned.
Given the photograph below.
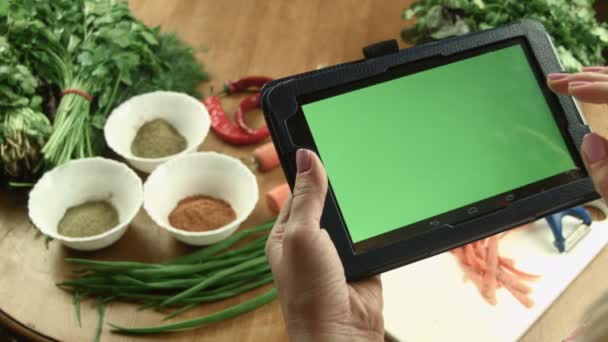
(230, 312)
(256, 244)
(177, 270)
(101, 312)
(246, 274)
(220, 246)
(214, 278)
(226, 291)
(181, 311)
(77, 307)
(229, 293)
(116, 265)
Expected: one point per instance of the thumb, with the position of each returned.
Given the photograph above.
(595, 154)
(309, 191)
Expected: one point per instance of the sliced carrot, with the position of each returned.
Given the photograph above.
(506, 261)
(458, 253)
(480, 249)
(266, 157)
(475, 277)
(469, 255)
(482, 264)
(276, 197)
(511, 268)
(511, 282)
(489, 278)
(521, 297)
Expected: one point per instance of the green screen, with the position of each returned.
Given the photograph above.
(415, 147)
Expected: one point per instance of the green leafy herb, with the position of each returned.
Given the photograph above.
(578, 36)
(98, 48)
(23, 127)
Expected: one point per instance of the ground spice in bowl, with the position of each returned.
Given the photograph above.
(201, 213)
(157, 139)
(88, 219)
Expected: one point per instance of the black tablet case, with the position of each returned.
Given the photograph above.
(279, 103)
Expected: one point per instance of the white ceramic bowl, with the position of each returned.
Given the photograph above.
(188, 115)
(80, 181)
(202, 173)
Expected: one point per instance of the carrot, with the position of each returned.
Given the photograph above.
(276, 197)
(511, 282)
(480, 248)
(511, 268)
(482, 264)
(521, 297)
(489, 278)
(266, 157)
(506, 261)
(475, 277)
(469, 255)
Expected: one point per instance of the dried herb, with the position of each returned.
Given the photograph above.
(88, 219)
(157, 139)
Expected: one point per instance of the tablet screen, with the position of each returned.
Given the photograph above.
(414, 147)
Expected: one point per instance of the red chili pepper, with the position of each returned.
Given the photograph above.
(248, 104)
(224, 128)
(240, 85)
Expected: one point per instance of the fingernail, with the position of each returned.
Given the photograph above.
(593, 69)
(594, 148)
(557, 76)
(578, 84)
(303, 160)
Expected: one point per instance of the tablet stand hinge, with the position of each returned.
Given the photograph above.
(382, 48)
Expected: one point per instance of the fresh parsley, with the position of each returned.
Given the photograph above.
(579, 37)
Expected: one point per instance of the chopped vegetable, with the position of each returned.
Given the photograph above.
(578, 36)
(482, 264)
(276, 197)
(266, 157)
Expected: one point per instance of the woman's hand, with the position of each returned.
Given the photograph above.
(318, 304)
(591, 85)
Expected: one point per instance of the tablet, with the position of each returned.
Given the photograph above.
(435, 146)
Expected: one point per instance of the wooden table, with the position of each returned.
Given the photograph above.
(274, 38)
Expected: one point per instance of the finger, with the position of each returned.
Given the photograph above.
(595, 155)
(590, 92)
(284, 213)
(274, 244)
(309, 191)
(559, 82)
(602, 69)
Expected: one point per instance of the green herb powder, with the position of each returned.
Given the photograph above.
(88, 219)
(157, 139)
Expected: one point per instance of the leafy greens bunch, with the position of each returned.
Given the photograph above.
(578, 36)
(96, 48)
(23, 127)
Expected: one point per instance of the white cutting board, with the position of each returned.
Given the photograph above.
(428, 300)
